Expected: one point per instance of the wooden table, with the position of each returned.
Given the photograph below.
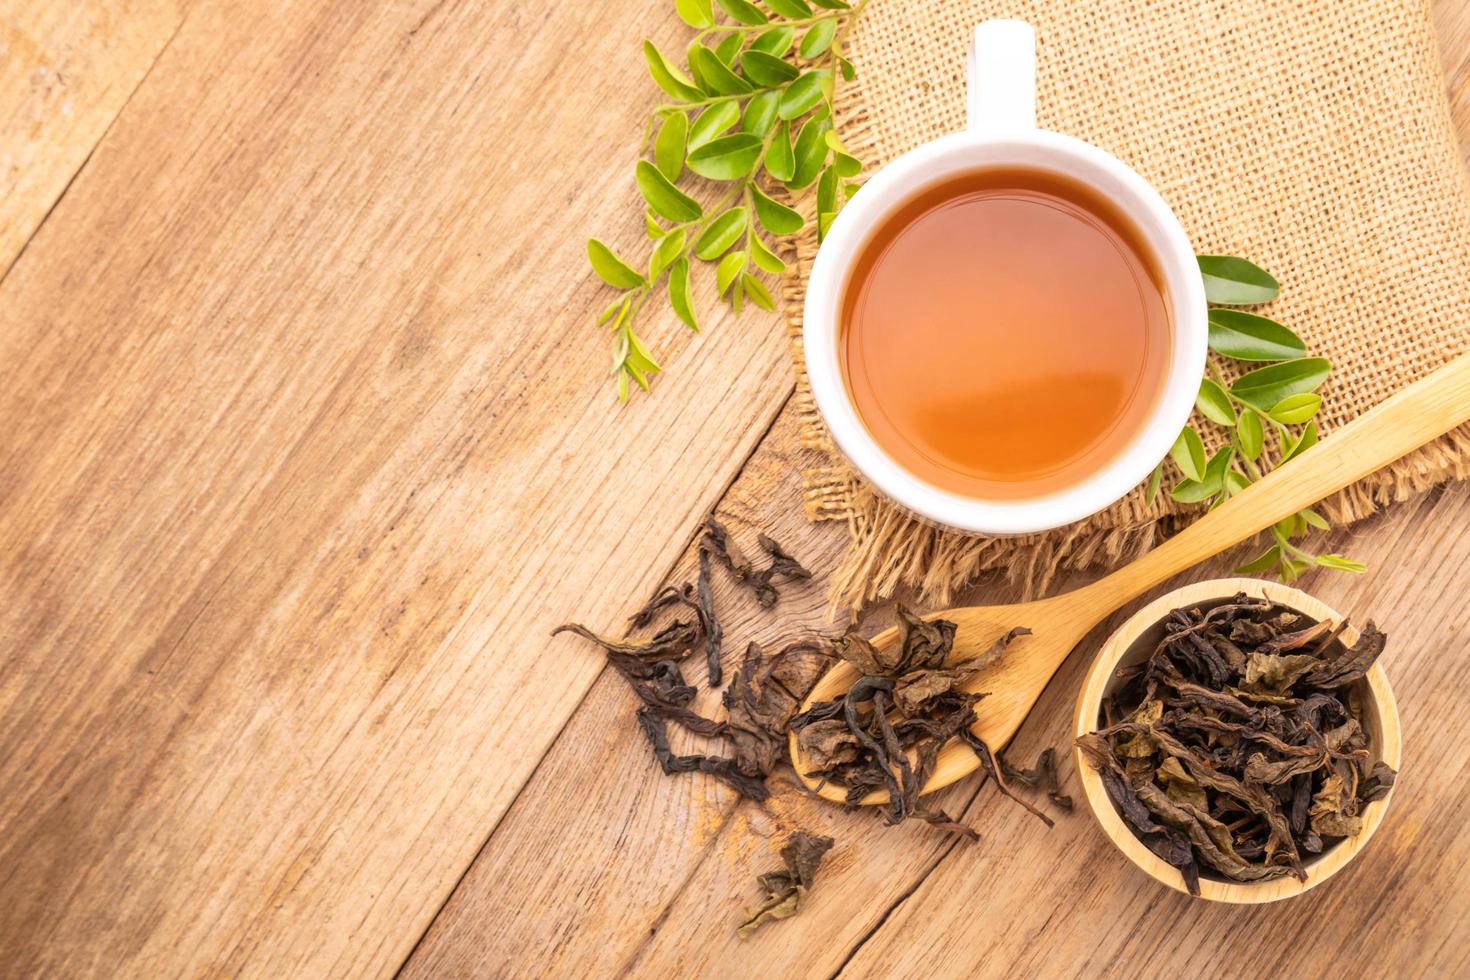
(308, 442)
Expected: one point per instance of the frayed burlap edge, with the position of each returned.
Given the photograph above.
(891, 549)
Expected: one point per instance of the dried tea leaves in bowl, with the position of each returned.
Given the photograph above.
(1239, 745)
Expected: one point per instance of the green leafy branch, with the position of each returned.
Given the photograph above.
(1279, 397)
(751, 111)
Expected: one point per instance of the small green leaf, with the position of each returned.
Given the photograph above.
(818, 39)
(743, 11)
(1151, 492)
(613, 270)
(764, 257)
(613, 308)
(845, 66)
(727, 49)
(1296, 409)
(827, 192)
(1251, 434)
(757, 291)
(802, 95)
(1265, 387)
(663, 197)
(712, 122)
(1248, 337)
(1235, 481)
(824, 222)
(777, 218)
(1193, 492)
(765, 69)
(1189, 453)
(669, 78)
(638, 355)
(810, 152)
(1214, 404)
(651, 225)
(729, 270)
(669, 248)
(846, 165)
(1235, 282)
(1341, 564)
(720, 235)
(715, 73)
(727, 158)
(696, 13)
(679, 293)
(760, 114)
(622, 386)
(669, 145)
(1292, 569)
(775, 42)
(1288, 526)
(795, 9)
(1313, 519)
(1211, 482)
(780, 161)
(1267, 559)
(1295, 446)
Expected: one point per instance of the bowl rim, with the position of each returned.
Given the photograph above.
(1090, 699)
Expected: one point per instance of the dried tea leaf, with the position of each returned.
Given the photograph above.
(1274, 673)
(721, 768)
(786, 887)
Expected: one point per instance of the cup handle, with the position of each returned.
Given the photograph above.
(1001, 77)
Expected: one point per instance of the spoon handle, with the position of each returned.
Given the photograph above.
(1428, 408)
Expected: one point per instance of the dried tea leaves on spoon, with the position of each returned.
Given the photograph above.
(887, 731)
(1239, 745)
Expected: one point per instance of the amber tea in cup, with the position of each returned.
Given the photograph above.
(1004, 334)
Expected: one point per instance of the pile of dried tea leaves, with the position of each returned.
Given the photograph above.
(763, 696)
(1239, 744)
(887, 731)
(786, 887)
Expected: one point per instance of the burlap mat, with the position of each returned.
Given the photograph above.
(1311, 137)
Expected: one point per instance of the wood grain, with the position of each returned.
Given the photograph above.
(309, 443)
(66, 69)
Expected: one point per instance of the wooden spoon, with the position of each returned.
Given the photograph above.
(1425, 409)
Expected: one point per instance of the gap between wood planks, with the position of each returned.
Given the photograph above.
(72, 178)
(551, 743)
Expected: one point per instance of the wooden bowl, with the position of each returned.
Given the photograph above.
(1134, 641)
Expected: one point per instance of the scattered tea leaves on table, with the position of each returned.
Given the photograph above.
(1269, 407)
(1042, 776)
(760, 581)
(786, 887)
(1241, 744)
(740, 70)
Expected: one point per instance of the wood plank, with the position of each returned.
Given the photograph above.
(66, 69)
(310, 442)
(658, 887)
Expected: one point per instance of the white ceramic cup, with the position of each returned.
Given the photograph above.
(1001, 132)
